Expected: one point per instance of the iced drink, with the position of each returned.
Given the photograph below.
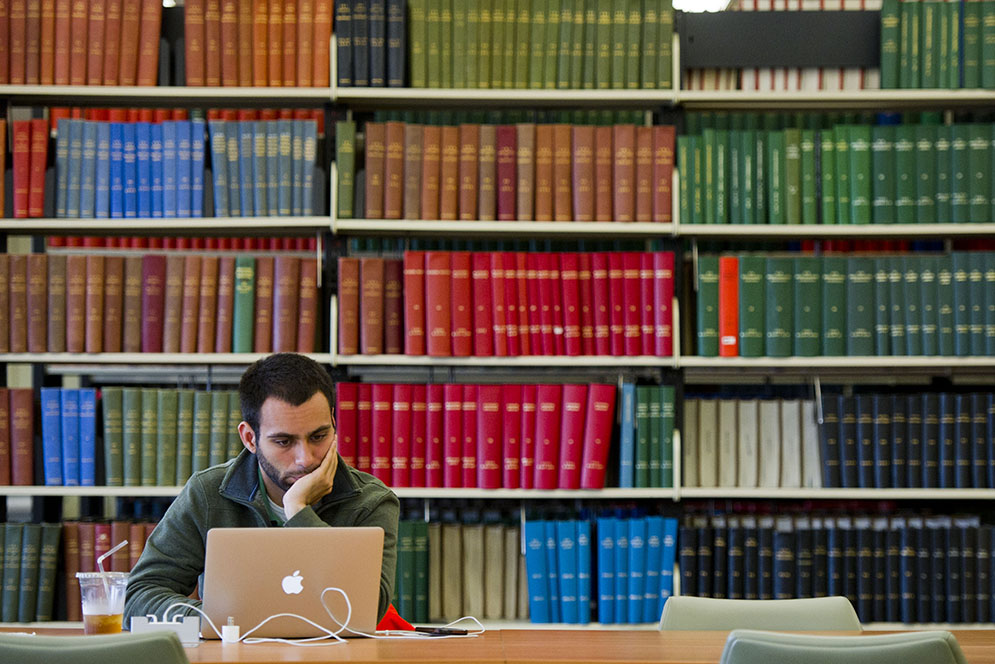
(103, 601)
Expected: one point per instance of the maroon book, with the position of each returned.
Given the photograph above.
(430, 169)
(549, 405)
(364, 425)
(286, 300)
(383, 400)
(644, 174)
(207, 304)
(452, 440)
(599, 420)
(603, 159)
(461, 304)
(393, 181)
(507, 173)
(346, 422)
(528, 437)
(490, 440)
(624, 171)
(438, 283)
(469, 142)
(562, 172)
(4, 436)
(483, 320)
(419, 432)
(393, 306)
(511, 436)
(434, 435)
(400, 432)
(449, 174)
(583, 173)
(371, 305)
(94, 304)
(153, 298)
(376, 150)
(22, 436)
(75, 303)
(572, 435)
(348, 306)
(37, 299)
(469, 449)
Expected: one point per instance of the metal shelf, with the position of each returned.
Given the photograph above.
(159, 95)
(161, 226)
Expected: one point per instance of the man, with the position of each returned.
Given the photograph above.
(289, 474)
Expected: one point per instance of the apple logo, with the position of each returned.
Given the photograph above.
(293, 585)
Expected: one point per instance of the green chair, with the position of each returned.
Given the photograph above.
(751, 647)
(147, 648)
(824, 614)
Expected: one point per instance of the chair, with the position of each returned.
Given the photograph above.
(811, 614)
(751, 647)
(147, 648)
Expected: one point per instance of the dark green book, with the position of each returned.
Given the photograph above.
(459, 45)
(972, 44)
(979, 193)
(113, 420)
(748, 179)
(882, 310)
(667, 423)
(686, 178)
(619, 37)
(926, 173)
(650, 44)
(131, 407)
(420, 538)
(859, 306)
(184, 435)
(953, 13)
(844, 209)
(150, 436)
(929, 44)
(697, 151)
(987, 44)
(201, 430)
(890, 38)
(977, 298)
(9, 600)
(721, 176)
(709, 142)
(345, 161)
(734, 169)
(167, 408)
(433, 43)
(883, 165)
(641, 462)
(860, 173)
(776, 180)
(243, 317)
(27, 601)
(485, 45)
(537, 49)
(910, 266)
(564, 55)
(834, 274)
(809, 173)
(471, 39)
(634, 21)
(908, 50)
(808, 306)
(959, 174)
(760, 177)
(218, 447)
(603, 50)
(234, 417)
(708, 305)
(905, 174)
(592, 35)
(48, 562)
(665, 67)
(779, 309)
(945, 305)
(989, 271)
(792, 176)
(827, 159)
(896, 305)
(579, 37)
(404, 590)
(655, 431)
(946, 65)
(960, 269)
(944, 165)
(446, 47)
(928, 310)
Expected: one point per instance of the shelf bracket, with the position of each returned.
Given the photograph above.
(817, 386)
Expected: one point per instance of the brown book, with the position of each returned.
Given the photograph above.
(393, 306)
(376, 146)
(603, 155)
(131, 330)
(525, 167)
(290, 43)
(131, 25)
(4, 436)
(286, 272)
(245, 27)
(148, 42)
(172, 308)
(63, 41)
(507, 177)
(212, 42)
(412, 170)
(262, 334)
(583, 172)
(644, 174)
(5, 302)
(56, 303)
(562, 180)
(46, 61)
(22, 436)
(15, 40)
(307, 306)
(322, 43)
(544, 173)
(430, 166)
(229, 43)
(226, 304)
(87, 537)
(112, 40)
(95, 44)
(348, 289)
(76, 303)
(120, 560)
(17, 284)
(449, 174)
(190, 306)
(70, 563)
(305, 43)
(113, 302)
(663, 173)
(469, 142)
(487, 183)
(207, 303)
(32, 42)
(3, 162)
(37, 303)
(260, 43)
(274, 49)
(371, 305)
(136, 542)
(393, 198)
(94, 304)
(193, 34)
(624, 170)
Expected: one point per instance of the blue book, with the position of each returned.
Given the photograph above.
(75, 165)
(552, 574)
(637, 564)
(284, 168)
(62, 167)
(117, 170)
(143, 147)
(651, 573)
(535, 571)
(197, 168)
(259, 186)
(234, 173)
(310, 157)
(183, 168)
(102, 204)
(219, 166)
(70, 437)
(667, 566)
(130, 172)
(51, 435)
(88, 171)
(245, 154)
(297, 166)
(621, 570)
(169, 183)
(583, 571)
(566, 561)
(87, 437)
(606, 570)
(627, 438)
(155, 161)
(273, 167)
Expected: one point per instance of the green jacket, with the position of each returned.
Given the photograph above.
(228, 496)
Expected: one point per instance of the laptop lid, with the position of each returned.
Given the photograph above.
(253, 573)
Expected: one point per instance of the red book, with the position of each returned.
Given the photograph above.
(510, 264)
(600, 418)
(644, 174)
(469, 451)
(194, 36)
(728, 306)
(632, 298)
(663, 173)
(4, 436)
(5, 301)
(393, 307)
(419, 433)
(22, 436)
(32, 43)
(16, 41)
(553, 260)
(112, 40)
(544, 173)
(4, 45)
(624, 171)
(21, 155)
(349, 306)
(449, 175)
(434, 435)
(400, 435)
(663, 296)
(393, 205)
(499, 319)
(153, 297)
(376, 150)
(438, 283)
(364, 426)
(535, 303)
(549, 402)
(95, 44)
(148, 42)
(346, 421)
(371, 305)
(571, 435)
(489, 436)
(131, 25)
(522, 297)
(39, 156)
(569, 276)
(414, 302)
(528, 437)
(586, 294)
(63, 13)
(603, 159)
(616, 302)
(511, 436)
(462, 304)
(452, 440)
(647, 303)
(483, 332)
(383, 399)
(469, 140)
(546, 288)
(507, 174)
(562, 175)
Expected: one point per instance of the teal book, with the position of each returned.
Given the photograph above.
(882, 310)
(27, 601)
(954, 14)
(834, 276)
(708, 305)
(218, 445)
(929, 44)
(911, 270)
(792, 192)
(989, 272)
(959, 173)
(928, 309)
(860, 173)
(776, 182)
(779, 309)
(945, 305)
(697, 151)
(748, 180)
(809, 173)
(844, 209)
(807, 297)
(859, 306)
(905, 175)
(883, 169)
(908, 51)
(972, 32)
(926, 173)
(827, 159)
(988, 44)
(897, 314)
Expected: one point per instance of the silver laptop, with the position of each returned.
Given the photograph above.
(253, 573)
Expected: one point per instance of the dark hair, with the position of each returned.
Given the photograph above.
(288, 377)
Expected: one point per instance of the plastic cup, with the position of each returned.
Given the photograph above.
(103, 600)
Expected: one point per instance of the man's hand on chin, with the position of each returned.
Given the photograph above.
(313, 486)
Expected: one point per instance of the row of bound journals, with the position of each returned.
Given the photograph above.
(914, 304)
(901, 569)
(526, 171)
(158, 303)
(469, 304)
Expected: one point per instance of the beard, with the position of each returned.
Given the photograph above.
(282, 481)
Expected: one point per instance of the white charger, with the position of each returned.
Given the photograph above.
(230, 632)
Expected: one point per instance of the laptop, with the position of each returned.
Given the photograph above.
(253, 573)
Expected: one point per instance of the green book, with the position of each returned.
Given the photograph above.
(972, 44)
(915, 55)
(48, 562)
(9, 597)
(234, 418)
(834, 330)
(929, 47)
(697, 187)
(859, 306)
(433, 42)
(860, 174)
(404, 590)
(779, 310)
(579, 36)
(485, 37)
(686, 177)
(976, 290)
(471, 48)
(752, 279)
(243, 316)
(641, 465)
(898, 310)
(827, 157)
(792, 176)
(708, 305)
(944, 164)
(113, 420)
(619, 36)
(882, 311)
(149, 436)
(959, 269)
(734, 167)
(905, 175)
(345, 162)
(420, 538)
(944, 305)
(446, 39)
(603, 54)
(650, 42)
(883, 168)
(809, 173)
(720, 176)
(634, 19)
(776, 181)
(807, 297)
(908, 51)
(989, 272)
(592, 35)
(911, 269)
(218, 448)
(945, 64)
(184, 435)
(167, 407)
(987, 44)
(979, 163)
(925, 158)
(27, 601)
(537, 50)
(708, 148)
(960, 173)
(747, 157)
(844, 209)
(418, 47)
(760, 177)
(655, 430)
(201, 430)
(928, 310)
(955, 45)
(665, 38)
(459, 44)
(667, 423)
(549, 74)
(890, 37)
(499, 25)
(564, 58)
(131, 435)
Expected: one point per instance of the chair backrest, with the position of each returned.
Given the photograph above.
(148, 648)
(834, 614)
(751, 647)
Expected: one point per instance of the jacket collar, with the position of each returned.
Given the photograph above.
(241, 481)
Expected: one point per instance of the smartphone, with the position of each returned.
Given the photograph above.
(441, 631)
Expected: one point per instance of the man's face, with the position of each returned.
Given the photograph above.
(292, 440)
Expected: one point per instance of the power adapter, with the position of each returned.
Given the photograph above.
(230, 632)
(187, 627)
